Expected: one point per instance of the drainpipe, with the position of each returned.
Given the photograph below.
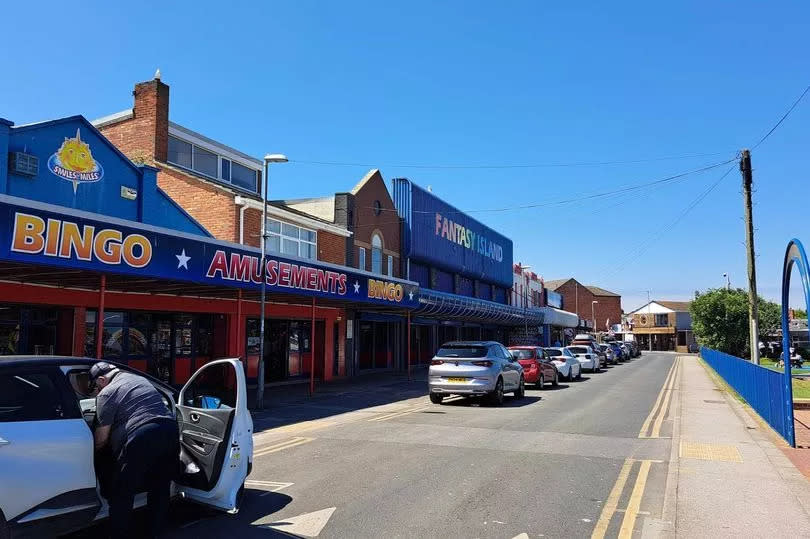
(241, 201)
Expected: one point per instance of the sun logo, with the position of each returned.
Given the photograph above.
(73, 161)
(75, 155)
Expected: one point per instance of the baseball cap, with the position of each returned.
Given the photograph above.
(100, 368)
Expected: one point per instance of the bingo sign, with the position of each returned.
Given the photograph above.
(57, 238)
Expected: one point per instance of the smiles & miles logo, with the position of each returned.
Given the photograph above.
(74, 162)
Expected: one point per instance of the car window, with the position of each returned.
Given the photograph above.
(505, 353)
(80, 383)
(213, 388)
(554, 352)
(29, 397)
(568, 353)
(579, 350)
(462, 351)
(522, 353)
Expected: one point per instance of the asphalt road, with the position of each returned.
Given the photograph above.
(544, 466)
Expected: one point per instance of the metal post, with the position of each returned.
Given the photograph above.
(409, 346)
(312, 352)
(100, 316)
(239, 334)
(263, 273)
(649, 314)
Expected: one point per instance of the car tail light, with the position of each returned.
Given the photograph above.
(436, 362)
(482, 363)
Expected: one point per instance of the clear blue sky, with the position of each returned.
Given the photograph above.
(474, 83)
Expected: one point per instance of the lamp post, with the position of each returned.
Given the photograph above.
(269, 158)
(649, 314)
(593, 316)
(728, 281)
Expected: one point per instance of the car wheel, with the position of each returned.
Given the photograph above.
(579, 373)
(520, 392)
(435, 398)
(556, 380)
(541, 382)
(496, 397)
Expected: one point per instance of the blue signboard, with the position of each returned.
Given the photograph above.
(36, 233)
(444, 237)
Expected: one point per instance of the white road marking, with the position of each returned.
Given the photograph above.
(306, 525)
(298, 440)
(523, 535)
(268, 486)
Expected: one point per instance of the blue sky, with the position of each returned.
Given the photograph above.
(474, 83)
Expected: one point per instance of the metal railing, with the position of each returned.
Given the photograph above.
(765, 390)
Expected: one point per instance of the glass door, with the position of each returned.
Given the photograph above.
(161, 363)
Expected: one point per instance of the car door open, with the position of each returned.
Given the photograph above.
(215, 435)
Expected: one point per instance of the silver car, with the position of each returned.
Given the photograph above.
(484, 368)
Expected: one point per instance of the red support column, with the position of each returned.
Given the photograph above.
(409, 345)
(312, 352)
(100, 317)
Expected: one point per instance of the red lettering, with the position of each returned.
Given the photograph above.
(284, 274)
(323, 281)
(272, 272)
(240, 267)
(299, 276)
(255, 275)
(341, 282)
(219, 264)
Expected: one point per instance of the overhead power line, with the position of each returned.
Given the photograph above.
(506, 166)
(782, 119)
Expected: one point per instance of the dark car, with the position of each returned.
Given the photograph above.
(618, 351)
(537, 366)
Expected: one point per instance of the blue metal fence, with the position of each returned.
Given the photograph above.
(763, 389)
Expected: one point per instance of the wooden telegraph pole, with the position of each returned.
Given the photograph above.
(753, 314)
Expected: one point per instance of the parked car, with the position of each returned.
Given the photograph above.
(590, 341)
(621, 355)
(537, 366)
(484, 368)
(567, 365)
(586, 357)
(628, 350)
(48, 483)
(610, 356)
(635, 349)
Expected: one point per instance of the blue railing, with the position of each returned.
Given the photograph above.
(763, 389)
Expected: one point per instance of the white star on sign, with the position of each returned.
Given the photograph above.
(410, 295)
(182, 260)
(356, 287)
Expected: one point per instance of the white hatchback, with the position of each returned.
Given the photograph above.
(586, 357)
(48, 483)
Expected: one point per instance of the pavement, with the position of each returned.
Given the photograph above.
(648, 448)
(731, 477)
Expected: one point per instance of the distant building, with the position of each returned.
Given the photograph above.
(579, 298)
(667, 323)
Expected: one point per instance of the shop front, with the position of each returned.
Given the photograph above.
(96, 260)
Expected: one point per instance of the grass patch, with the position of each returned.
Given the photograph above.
(801, 389)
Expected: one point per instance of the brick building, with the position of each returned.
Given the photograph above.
(579, 298)
(219, 186)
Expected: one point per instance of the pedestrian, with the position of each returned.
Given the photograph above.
(142, 435)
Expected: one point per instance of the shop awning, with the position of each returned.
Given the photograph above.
(58, 246)
(559, 318)
(435, 304)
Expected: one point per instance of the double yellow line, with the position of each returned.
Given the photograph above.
(280, 446)
(633, 505)
(400, 413)
(661, 406)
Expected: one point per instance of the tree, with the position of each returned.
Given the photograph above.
(720, 320)
(799, 314)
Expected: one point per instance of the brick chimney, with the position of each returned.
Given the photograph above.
(151, 117)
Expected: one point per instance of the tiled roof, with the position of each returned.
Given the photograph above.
(556, 283)
(678, 306)
(596, 291)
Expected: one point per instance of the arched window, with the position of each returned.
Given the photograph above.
(376, 253)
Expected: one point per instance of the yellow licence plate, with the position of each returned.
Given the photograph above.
(457, 380)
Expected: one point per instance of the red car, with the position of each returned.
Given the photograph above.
(537, 366)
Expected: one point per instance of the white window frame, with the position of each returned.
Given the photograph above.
(219, 178)
(282, 236)
(361, 258)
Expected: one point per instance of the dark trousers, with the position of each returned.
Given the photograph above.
(147, 463)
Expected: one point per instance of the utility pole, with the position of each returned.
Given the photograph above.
(753, 314)
(649, 318)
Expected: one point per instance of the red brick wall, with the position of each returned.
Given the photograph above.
(366, 222)
(253, 227)
(211, 206)
(331, 248)
(608, 306)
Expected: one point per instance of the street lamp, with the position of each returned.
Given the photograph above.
(269, 158)
(593, 316)
(728, 281)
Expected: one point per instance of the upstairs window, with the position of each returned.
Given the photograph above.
(376, 254)
(192, 157)
(291, 240)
